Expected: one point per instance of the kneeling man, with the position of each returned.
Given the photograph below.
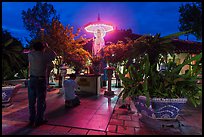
(70, 86)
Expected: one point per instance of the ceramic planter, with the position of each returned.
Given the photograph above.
(160, 108)
(8, 92)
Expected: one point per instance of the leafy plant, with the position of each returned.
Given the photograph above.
(13, 60)
(183, 85)
(142, 77)
(132, 79)
(144, 80)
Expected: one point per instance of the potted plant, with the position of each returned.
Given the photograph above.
(13, 62)
(13, 59)
(150, 89)
(161, 95)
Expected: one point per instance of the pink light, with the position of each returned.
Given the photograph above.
(93, 27)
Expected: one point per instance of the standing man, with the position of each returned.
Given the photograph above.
(38, 62)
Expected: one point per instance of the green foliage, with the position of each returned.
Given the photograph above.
(153, 46)
(13, 60)
(184, 85)
(144, 80)
(141, 78)
(40, 16)
(191, 18)
(132, 78)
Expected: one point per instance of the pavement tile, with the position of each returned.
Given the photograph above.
(10, 130)
(121, 111)
(77, 131)
(124, 117)
(126, 130)
(81, 123)
(92, 117)
(104, 112)
(23, 131)
(135, 117)
(92, 106)
(60, 130)
(85, 114)
(98, 122)
(111, 128)
(115, 116)
(94, 132)
(131, 123)
(116, 122)
(144, 131)
(44, 128)
(39, 133)
(113, 133)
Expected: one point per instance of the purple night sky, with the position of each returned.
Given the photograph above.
(141, 17)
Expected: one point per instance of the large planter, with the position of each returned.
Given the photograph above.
(160, 108)
(24, 82)
(8, 92)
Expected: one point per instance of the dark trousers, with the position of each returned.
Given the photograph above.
(37, 91)
(73, 102)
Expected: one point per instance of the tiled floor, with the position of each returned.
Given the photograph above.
(96, 115)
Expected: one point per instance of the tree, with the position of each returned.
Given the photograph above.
(13, 60)
(39, 17)
(191, 19)
(120, 35)
(154, 46)
(115, 54)
(66, 44)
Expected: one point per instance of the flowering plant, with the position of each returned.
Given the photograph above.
(78, 58)
(116, 53)
(96, 60)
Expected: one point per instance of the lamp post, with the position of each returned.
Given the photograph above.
(109, 73)
(58, 63)
(63, 72)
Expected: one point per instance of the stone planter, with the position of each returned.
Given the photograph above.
(161, 109)
(8, 92)
(24, 82)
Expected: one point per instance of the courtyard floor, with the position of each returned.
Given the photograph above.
(96, 115)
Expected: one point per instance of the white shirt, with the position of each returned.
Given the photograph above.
(69, 86)
(38, 63)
